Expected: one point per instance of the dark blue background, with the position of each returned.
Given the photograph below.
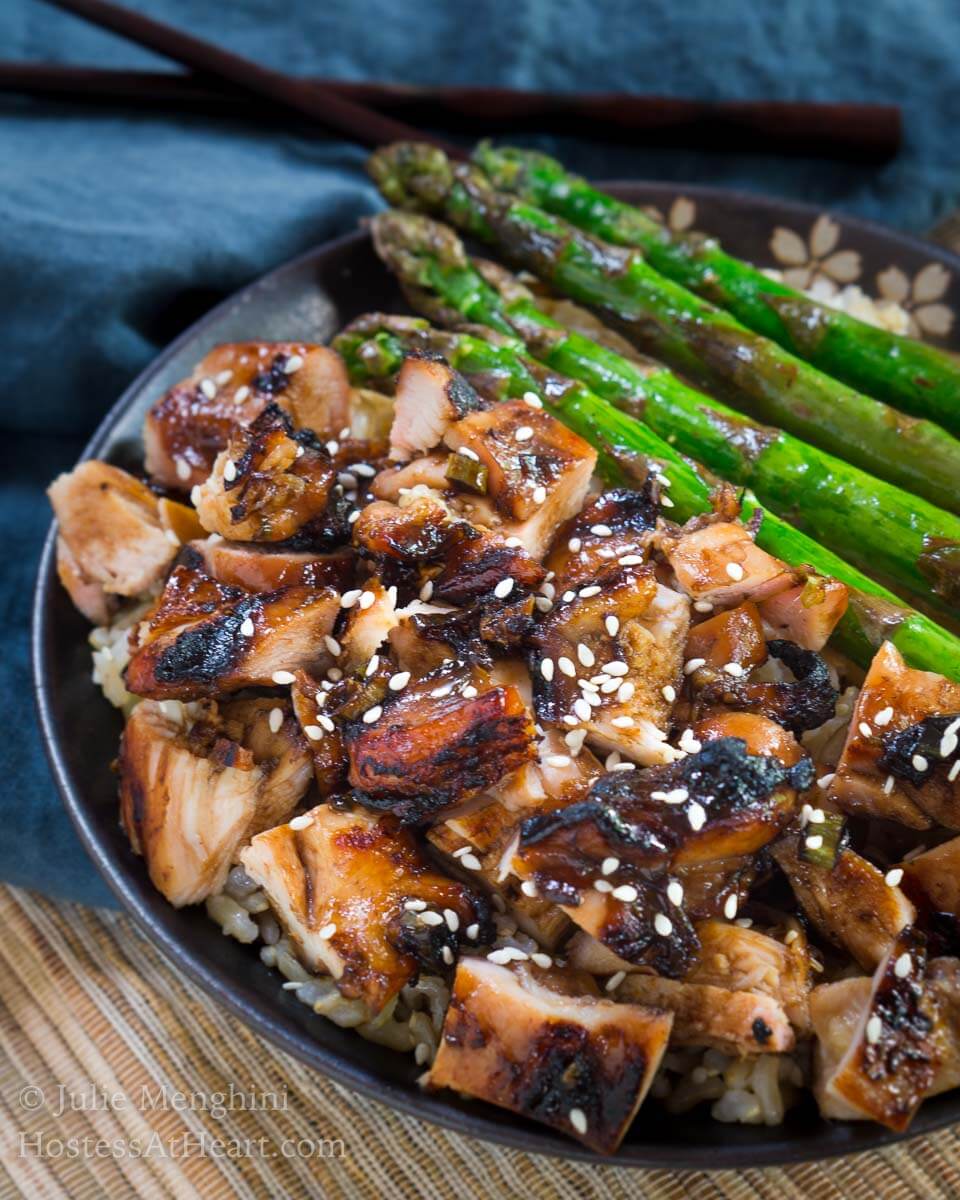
(118, 228)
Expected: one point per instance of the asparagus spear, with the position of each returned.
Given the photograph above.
(872, 524)
(695, 337)
(914, 377)
(375, 346)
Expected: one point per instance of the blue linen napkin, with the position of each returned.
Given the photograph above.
(118, 228)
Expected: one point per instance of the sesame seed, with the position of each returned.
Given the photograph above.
(790, 936)
(663, 925)
(730, 906)
(903, 965)
(447, 955)
(507, 954)
(734, 570)
(567, 719)
(275, 719)
(327, 932)
(304, 821)
(948, 743)
(865, 729)
(532, 399)
(814, 842)
(587, 592)
(616, 668)
(349, 599)
(953, 772)
(209, 388)
(601, 530)
(346, 480)
(817, 816)
(734, 669)
(293, 363)
(230, 470)
(612, 625)
(602, 885)
(354, 517)
(282, 677)
(874, 1029)
(443, 690)
(623, 722)
(372, 665)
(366, 600)
(609, 685)
(299, 453)
(332, 447)
(578, 1120)
(503, 588)
(609, 865)
(541, 959)
(241, 394)
(452, 920)
(693, 664)
(893, 877)
(582, 709)
(546, 669)
(543, 604)
(675, 892)
(373, 714)
(884, 716)
(529, 888)
(325, 722)
(888, 785)
(183, 468)
(630, 560)
(611, 760)
(547, 589)
(697, 816)
(566, 665)
(558, 760)
(471, 862)
(624, 766)
(427, 590)
(196, 495)
(825, 780)
(625, 692)
(334, 674)
(246, 627)
(469, 692)
(669, 693)
(666, 502)
(332, 644)
(702, 606)
(313, 732)
(575, 739)
(513, 542)
(585, 654)
(468, 453)
(473, 931)
(414, 905)
(539, 494)
(524, 433)
(592, 699)
(429, 917)
(567, 597)
(574, 544)
(364, 470)
(919, 763)
(688, 742)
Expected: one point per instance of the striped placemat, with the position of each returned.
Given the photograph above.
(91, 1014)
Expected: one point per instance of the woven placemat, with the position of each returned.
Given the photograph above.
(89, 1009)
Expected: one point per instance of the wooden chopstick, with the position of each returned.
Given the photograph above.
(333, 110)
(852, 132)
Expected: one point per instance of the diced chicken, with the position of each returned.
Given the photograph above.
(555, 778)
(577, 1063)
(186, 429)
(427, 474)
(715, 804)
(354, 893)
(474, 568)
(368, 625)
(412, 639)
(704, 1015)
(761, 735)
(734, 636)
(615, 524)
(807, 613)
(430, 397)
(608, 657)
(256, 567)
(648, 929)
(112, 542)
(268, 484)
(204, 637)
(422, 531)
(902, 751)
(877, 1059)
(719, 562)
(933, 878)
(193, 790)
(746, 960)
(851, 904)
(538, 470)
(440, 739)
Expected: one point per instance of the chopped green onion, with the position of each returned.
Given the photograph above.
(820, 843)
(467, 471)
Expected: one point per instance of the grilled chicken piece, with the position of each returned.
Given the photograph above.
(746, 960)
(718, 803)
(204, 637)
(933, 878)
(877, 1060)
(603, 657)
(807, 613)
(427, 475)
(419, 532)
(576, 1063)
(900, 760)
(554, 778)
(851, 904)
(647, 930)
(368, 625)
(186, 429)
(323, 738)
(439, 740)
(538, 471)
(615, 524)
(192, 791)
(719, 562)
(111, 542)
(417, 640)
(734, 636)
(761, 735)
(473, 569)
(429, 398)
(359, 901)
(257, 567)
(805, 702)
(703, 1015)
(267, 484)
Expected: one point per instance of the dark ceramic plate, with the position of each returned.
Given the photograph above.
(311, 298)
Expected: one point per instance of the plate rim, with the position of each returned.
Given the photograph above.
(277, 1029)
